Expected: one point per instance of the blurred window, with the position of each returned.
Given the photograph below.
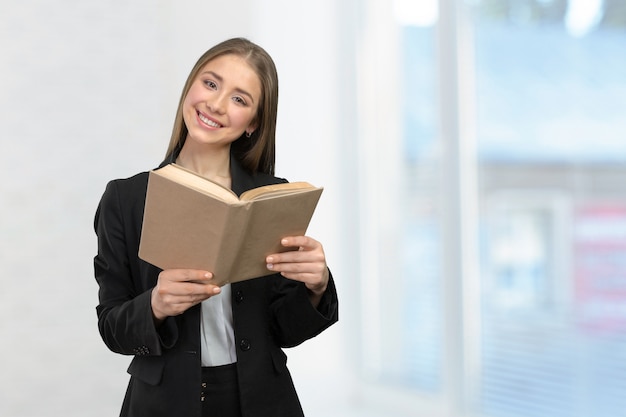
(547, 108)
(550, 101)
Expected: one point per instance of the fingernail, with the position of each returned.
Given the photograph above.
(284, 241)
(270, 266)
(269, 260)
(216, 290)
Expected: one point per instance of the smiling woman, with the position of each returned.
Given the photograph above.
(220, 106)
(201, 349)
(258, 153)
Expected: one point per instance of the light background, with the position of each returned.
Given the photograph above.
(88, 92)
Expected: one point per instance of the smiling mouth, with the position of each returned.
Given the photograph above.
(207, 121)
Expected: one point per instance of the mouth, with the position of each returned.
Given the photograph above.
(207, 121)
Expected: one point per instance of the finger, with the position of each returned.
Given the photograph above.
(186, 288)
(302, 277)
(196, 276)
(204, 291)
(291, 269)
(183, 275)
(196, 298)
(298, 268)
(315, 282)
(304, 242)
(191, 298)
(297, 257)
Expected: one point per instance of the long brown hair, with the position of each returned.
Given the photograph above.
(256, 153)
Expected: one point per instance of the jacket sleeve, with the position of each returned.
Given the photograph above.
(124, 312)
(295, 320)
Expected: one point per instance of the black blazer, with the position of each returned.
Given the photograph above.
(269, 313)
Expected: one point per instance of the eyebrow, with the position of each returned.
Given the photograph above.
(221, 79)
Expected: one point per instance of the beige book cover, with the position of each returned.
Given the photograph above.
(192, 222)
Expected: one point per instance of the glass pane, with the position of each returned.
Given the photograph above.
(550, 101)
(551, 80)
(419, 329)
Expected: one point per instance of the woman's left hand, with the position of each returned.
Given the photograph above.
(307, 264)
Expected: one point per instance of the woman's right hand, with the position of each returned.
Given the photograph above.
(179, 289)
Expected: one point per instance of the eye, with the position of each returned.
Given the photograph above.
(211, 84)
(239, 100)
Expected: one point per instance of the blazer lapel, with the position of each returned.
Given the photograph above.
(241, 180)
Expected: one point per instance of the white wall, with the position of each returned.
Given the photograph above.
(87, 94)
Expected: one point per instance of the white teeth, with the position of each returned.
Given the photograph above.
(207, 121)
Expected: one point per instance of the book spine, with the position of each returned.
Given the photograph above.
(236, 224)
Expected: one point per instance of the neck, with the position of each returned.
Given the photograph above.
(210, 163)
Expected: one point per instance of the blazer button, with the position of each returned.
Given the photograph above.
(142, 350)
(239, 296)
(244, 345)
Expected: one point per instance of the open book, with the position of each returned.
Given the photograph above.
(192, 222)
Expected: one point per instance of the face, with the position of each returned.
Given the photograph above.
(222, 102)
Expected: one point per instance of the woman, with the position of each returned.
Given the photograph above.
(202, 350)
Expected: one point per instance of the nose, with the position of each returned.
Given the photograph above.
(216, 103)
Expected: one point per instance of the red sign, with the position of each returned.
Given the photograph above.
(600, 266)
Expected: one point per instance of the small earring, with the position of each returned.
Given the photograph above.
(248, 134)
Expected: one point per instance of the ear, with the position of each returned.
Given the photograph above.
(251, 128)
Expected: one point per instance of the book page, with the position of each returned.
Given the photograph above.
(275, 190)
(197, 182)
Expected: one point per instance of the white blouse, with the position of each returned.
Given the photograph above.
(217, 334)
